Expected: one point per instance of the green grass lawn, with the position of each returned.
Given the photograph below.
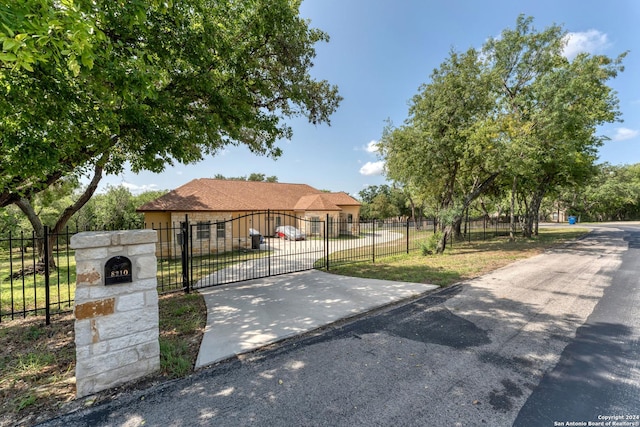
(461, 261)
(26, 292)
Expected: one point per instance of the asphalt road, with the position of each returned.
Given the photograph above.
(545, 341)
(597, 379)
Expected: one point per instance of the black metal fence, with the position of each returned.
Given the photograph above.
(36, 278)
(197, 254)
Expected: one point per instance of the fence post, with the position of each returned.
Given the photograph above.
(185, 254)
(373, 244)
(269, 233)
(407, 236)
(484, 227)
(47, 297)
(326, 242)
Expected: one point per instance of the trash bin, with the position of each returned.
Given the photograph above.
(572, 220)
(255, 241)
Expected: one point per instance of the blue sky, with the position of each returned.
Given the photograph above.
(379, 54)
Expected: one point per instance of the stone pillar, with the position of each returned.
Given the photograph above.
(116, 318)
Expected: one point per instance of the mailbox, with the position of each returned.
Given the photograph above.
(117, 270)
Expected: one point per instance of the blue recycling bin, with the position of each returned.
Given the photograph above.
(572, 220)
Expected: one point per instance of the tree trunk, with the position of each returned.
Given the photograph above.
(485, 212)
(457, 228)
(442, 243)
(413, 212)
(533, 211)
(38, 227)
(512, 217)
(527, 225)
(456, 223)
(82, 200)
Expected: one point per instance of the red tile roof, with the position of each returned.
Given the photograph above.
(325, 202)
(315, 202)
(207, 194)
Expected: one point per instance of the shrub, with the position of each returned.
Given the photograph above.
(429, 246)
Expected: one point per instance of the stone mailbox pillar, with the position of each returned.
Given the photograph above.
(116, 308)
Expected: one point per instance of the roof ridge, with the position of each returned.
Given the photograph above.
(212, 194)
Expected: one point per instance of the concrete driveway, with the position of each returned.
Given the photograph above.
(245, 316)
(248, 315)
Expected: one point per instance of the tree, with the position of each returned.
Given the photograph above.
(38, 31)
(448, 149)
(549, 109)
(367, 194)
(149, 83)
(519, 114)
(381, 207)
(257, 177)
(260, 177)
(62, 215)
(380, 202)
(612, 194)
(416, 204)
(114, 209)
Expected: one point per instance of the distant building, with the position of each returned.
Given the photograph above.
(235, 207)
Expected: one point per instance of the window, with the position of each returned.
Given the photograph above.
(350, 218)
(220, 230)
(315, 225)
(203, 231)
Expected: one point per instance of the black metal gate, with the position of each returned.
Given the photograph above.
(202, 252)
(250, 246)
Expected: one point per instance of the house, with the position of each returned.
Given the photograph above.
(223, 212)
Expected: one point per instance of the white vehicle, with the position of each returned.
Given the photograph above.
(289, 232)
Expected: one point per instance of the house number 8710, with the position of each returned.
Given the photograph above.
(117, 273)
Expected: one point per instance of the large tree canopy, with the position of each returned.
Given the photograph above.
(148, 83)
(612, 195)
(550, 108)
(448, 148)
(518, 113)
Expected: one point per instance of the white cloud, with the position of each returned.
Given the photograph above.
(623, 134)
(591, 41)
(372, 168)
(139, 188)
(372, 147)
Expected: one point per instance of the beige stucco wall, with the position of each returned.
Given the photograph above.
(338, 221)
(236, 231)
(161, 221)
(354, 226)
(157, 219)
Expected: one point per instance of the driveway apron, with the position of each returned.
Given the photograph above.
(245, 316)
